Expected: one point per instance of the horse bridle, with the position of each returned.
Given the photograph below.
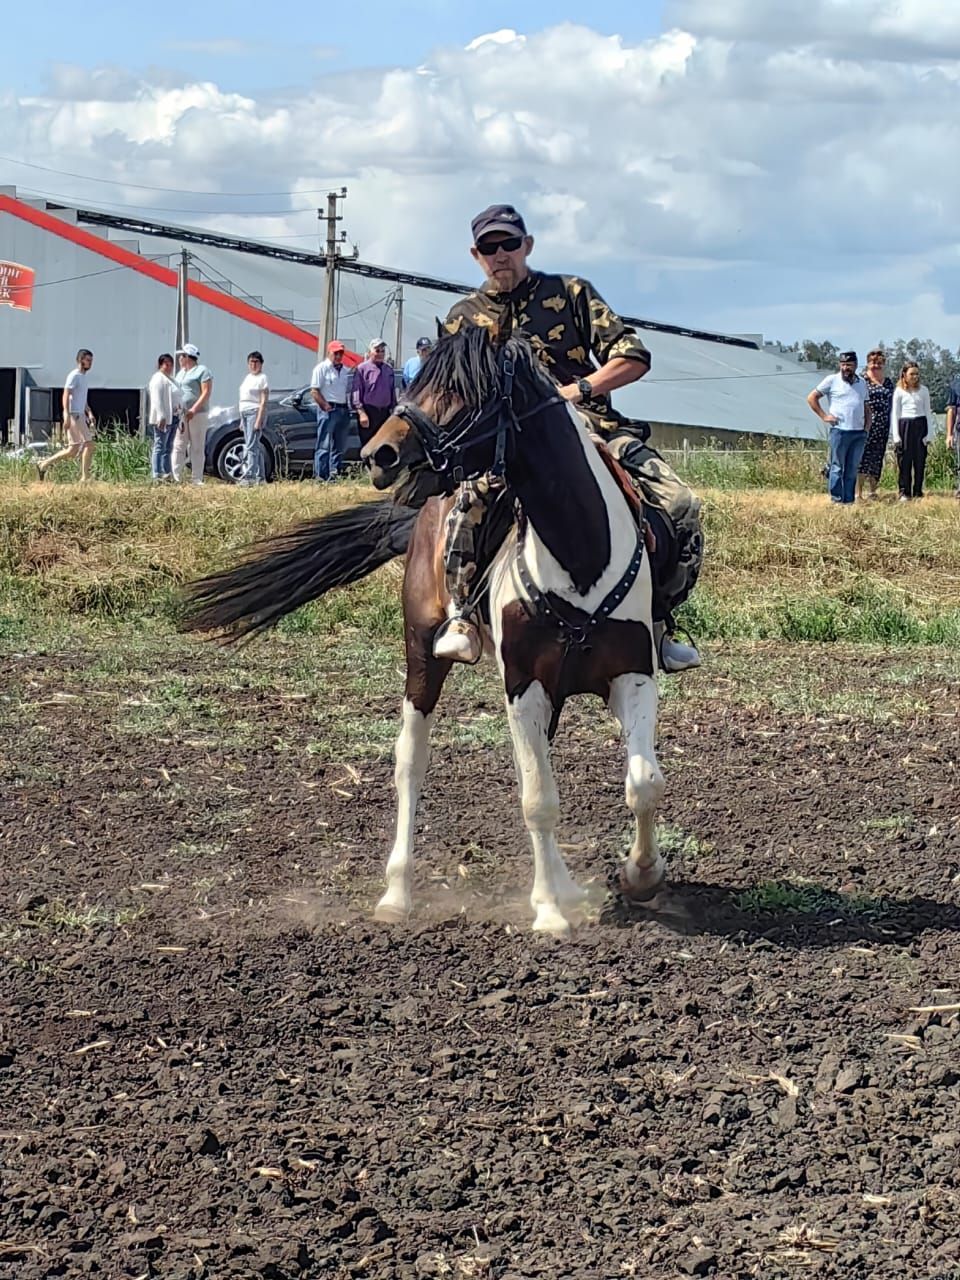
(496, 418)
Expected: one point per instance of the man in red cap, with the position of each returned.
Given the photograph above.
(330, 388)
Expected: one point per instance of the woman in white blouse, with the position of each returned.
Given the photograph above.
(911, 425)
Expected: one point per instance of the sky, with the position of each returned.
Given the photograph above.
(785, 169)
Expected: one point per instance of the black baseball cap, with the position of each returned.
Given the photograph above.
(423, 343)
(498, 217)
(847, 357)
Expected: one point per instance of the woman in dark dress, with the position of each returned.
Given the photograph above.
(880, 398)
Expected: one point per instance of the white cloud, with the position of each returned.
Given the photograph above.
(888, 28)
(752, 167)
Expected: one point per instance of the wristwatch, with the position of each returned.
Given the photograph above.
(585, 389)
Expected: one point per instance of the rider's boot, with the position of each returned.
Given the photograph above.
(458, 639)
(673, 655)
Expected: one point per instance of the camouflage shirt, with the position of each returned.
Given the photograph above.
(565, 320)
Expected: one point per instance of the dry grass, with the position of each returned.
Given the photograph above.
(779, 564)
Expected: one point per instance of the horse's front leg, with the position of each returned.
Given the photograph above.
(633, 700)
(529, 717)
(425, 677)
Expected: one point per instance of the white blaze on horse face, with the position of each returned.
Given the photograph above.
(554, 890)
(412, 755)
(633, 700)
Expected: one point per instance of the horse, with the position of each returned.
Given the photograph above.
(567, 600)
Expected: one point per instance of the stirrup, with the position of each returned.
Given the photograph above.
(672, 655)
(458, 640)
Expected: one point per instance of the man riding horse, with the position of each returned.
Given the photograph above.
(565, 320)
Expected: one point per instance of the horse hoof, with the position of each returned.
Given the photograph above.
(552, 922)
(386, 912)
(642, 894)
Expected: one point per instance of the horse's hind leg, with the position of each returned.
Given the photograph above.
(529, 717)
(633, 700)
(425, 677)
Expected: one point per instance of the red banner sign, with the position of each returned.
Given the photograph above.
(16, 286)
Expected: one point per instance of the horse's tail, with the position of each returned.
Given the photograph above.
(279, 574)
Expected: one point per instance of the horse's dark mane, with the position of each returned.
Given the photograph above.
(546, 465)
(463, 365)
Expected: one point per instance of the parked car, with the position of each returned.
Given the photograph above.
(289, 436)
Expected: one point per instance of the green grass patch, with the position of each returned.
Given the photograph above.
(81, 916)
(784, 897)
(894, 823)
(790, 465)
(676, 842)
(861, 611)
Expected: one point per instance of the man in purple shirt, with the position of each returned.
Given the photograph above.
(374, 390)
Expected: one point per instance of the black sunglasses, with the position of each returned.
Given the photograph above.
(511, 245)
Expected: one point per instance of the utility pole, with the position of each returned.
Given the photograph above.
(333, 257)
(183, 310)
(398, 299)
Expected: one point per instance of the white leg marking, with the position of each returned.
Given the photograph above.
(633, 700)
(412, 753)
(529, 717)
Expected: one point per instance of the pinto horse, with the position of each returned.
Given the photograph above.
(567, 601)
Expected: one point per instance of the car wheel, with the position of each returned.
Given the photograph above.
(229, 461)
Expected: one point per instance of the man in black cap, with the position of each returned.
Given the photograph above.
(415, 363)
(848, 417)
(591, 352)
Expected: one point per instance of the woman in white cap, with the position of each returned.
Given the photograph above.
(196, 387)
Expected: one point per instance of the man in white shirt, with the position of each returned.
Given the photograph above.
(163, 417)
(330, 388)
(78, 421)
(848, 417)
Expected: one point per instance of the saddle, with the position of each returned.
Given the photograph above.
(665, 552)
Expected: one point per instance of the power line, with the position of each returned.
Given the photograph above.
(369, 307)
(142, 186)
(166, 208)
(44, 284)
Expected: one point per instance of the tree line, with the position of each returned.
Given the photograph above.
(938, 366)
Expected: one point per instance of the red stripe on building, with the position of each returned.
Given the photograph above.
(164, 275)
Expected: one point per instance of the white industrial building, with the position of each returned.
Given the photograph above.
(85, 278)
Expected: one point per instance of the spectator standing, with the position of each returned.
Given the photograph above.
(330, 388)
(953, 427)
(78, 421)
(911, 424)
(415, 363)
(196, 387)
(880, 398)
(374, 390)
(254, 390)
(848, 417)
(164, 417)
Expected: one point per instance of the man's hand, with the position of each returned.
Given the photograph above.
(571, 392)
(188, 416)
(831, 419)
(364, 420)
